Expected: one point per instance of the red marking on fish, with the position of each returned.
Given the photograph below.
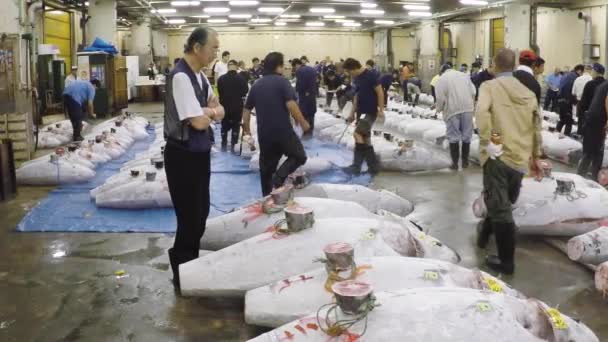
(312, 326)
(300, 329)
(350, 337)
(256, 210)
(288, 335)
(288, 282)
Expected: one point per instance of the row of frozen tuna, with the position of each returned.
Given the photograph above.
(591, 249)
(106, 141)
(284, 272)
(57, 134)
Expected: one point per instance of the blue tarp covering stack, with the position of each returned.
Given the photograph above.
(101, 45)
(70, 209)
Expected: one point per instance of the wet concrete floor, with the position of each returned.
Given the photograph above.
(115, 286)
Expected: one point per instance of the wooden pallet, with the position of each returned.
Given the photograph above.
(19, 128)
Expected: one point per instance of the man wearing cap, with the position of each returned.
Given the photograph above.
(306, 87)
(74, 97)
(567, 100)
(525, 74)
(456, 100)
(232, 88)
(73, 76)
(553, 82)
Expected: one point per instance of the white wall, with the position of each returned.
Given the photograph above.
(160, 43)
(403, 44)
(9, 22)
(245, 44)
(560, 35)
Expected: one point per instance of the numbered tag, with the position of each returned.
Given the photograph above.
(557, 319)
(422, 236)
(493, 285)
(431, 275)
(484, 307)
(371, 235)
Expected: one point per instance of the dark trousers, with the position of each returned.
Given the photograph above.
(188, 176)
(232, 126)
(502, 186)
(581, 120)
(329, 98)
(550, 100)
(565, 117)
(270, 155)
(75, 114)
(591, 161)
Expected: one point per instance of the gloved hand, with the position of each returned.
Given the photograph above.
(494, 151)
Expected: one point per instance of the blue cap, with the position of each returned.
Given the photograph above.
(597, 67)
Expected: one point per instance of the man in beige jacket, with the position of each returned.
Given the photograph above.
(509, 126)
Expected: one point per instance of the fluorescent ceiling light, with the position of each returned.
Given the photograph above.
(243, 3)
(288, 20)
(372, 11)
(351, 24)
(86, 3)
(200, 16)
(315, 23)
(334, 17)
(261, 20)
(271, 9)
(473, 2)
(217, 21)
(239, 16)
(175, 21)
(420, 14)
(290, 16)
(417, 7)
(280, 23)
(384, 22)
(166, 10)
(216, 10)
(344, 21)
(322, 10)
(185, 3)
(369, 5)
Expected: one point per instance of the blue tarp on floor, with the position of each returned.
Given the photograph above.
(70, 209)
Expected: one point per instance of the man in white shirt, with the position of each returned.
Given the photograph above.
(221, 67)
(581, 82)
(71, 77)
(456, 100)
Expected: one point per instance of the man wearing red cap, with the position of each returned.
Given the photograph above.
(525, 74)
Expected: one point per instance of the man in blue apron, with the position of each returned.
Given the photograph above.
(273, 98)
(306, 87)
(190, 108)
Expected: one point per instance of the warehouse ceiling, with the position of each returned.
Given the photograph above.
(348, 14)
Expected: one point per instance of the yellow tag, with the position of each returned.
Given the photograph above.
(120, 273)
(557, 319)
(369, 235)
(431, 275)
(422, 236)
(493, 285)
(484, 307)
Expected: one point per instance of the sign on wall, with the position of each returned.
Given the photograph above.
(431, 64)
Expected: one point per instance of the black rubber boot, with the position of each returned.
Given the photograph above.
(416, 99)
(358, 157)
(174, 260)
(484, 231)
(455, 154)
(466, 147)
(373, 165)
(505, 244)
(224, 142)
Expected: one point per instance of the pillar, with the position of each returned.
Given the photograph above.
(427, 40)
(517, 26)
(141, 43)
(102, 21)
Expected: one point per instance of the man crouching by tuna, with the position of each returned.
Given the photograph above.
(509, 126)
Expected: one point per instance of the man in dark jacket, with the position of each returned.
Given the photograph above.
(232, 88)
(486, 75)
(566, 100)
(525, 74)
(592, 126)
(582, 106)
(386, 80)
(332, 83)
(306, 87)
